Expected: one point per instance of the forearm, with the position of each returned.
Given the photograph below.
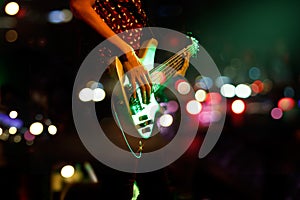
(83, 10)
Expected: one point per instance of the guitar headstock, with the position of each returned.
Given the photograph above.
(193, 48)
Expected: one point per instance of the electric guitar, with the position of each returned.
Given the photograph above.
(142, 115)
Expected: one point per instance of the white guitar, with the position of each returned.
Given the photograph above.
(142, 115)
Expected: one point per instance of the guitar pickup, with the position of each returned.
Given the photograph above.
(142, 125)
(146, 130)
(142, 118)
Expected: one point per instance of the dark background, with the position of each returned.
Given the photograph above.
(255, 158)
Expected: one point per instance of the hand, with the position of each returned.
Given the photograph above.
(138, 75)
(185, 65)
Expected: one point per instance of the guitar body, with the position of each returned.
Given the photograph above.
(134, 124)
(140, 115)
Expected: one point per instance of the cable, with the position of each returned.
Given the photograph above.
(124, 136)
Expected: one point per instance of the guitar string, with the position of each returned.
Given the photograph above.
(169, 62)
(175, 62)
(170, 59)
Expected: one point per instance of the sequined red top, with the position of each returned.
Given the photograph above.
(121, 16)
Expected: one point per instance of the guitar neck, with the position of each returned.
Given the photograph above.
(163, 72)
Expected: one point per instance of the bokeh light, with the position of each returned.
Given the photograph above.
(286, 103)
(183, 87)
(36, 128)
(67, 171)
(194, 107)
(172, 106)
(1, 131)
(166, 120)
(200, 95)
(204, 82)
(289, 92)
(99, 94)
(276, 113)
(52, 129)
(238, 106)
(12, 130)
(227, 90)
(243, 91)
(254, 73)
(257, 86)
(158, 77)
(86, 94)
(11, 36)
(17, 139)
(60, 16)
(13, 114)
(28, 136)
(12, 8)
(213, 98)
(268, 85)
(221, 80)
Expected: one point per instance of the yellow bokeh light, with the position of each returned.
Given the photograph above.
(52, 129)
(36, 128)
(200, 95)
(13, 114)
(11, 36)
(12, 130)
(12, 8)
(67, 171)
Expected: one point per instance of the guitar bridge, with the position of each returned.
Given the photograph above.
(144, 124)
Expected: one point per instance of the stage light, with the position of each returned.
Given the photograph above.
(12, 130)
(193, 107)
(52, 129)
(242, 91)
(286, 103)
(86, 94)
(276, 113)
(238, 106)
(99, 94)
(1, 131)
(36, 128)
(11, 36)
(13, 114)
(166, 120)
(200, 95)
(12, 8)
(227, 90)
(67, 171)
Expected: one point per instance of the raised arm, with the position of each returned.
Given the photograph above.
(83, 10)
